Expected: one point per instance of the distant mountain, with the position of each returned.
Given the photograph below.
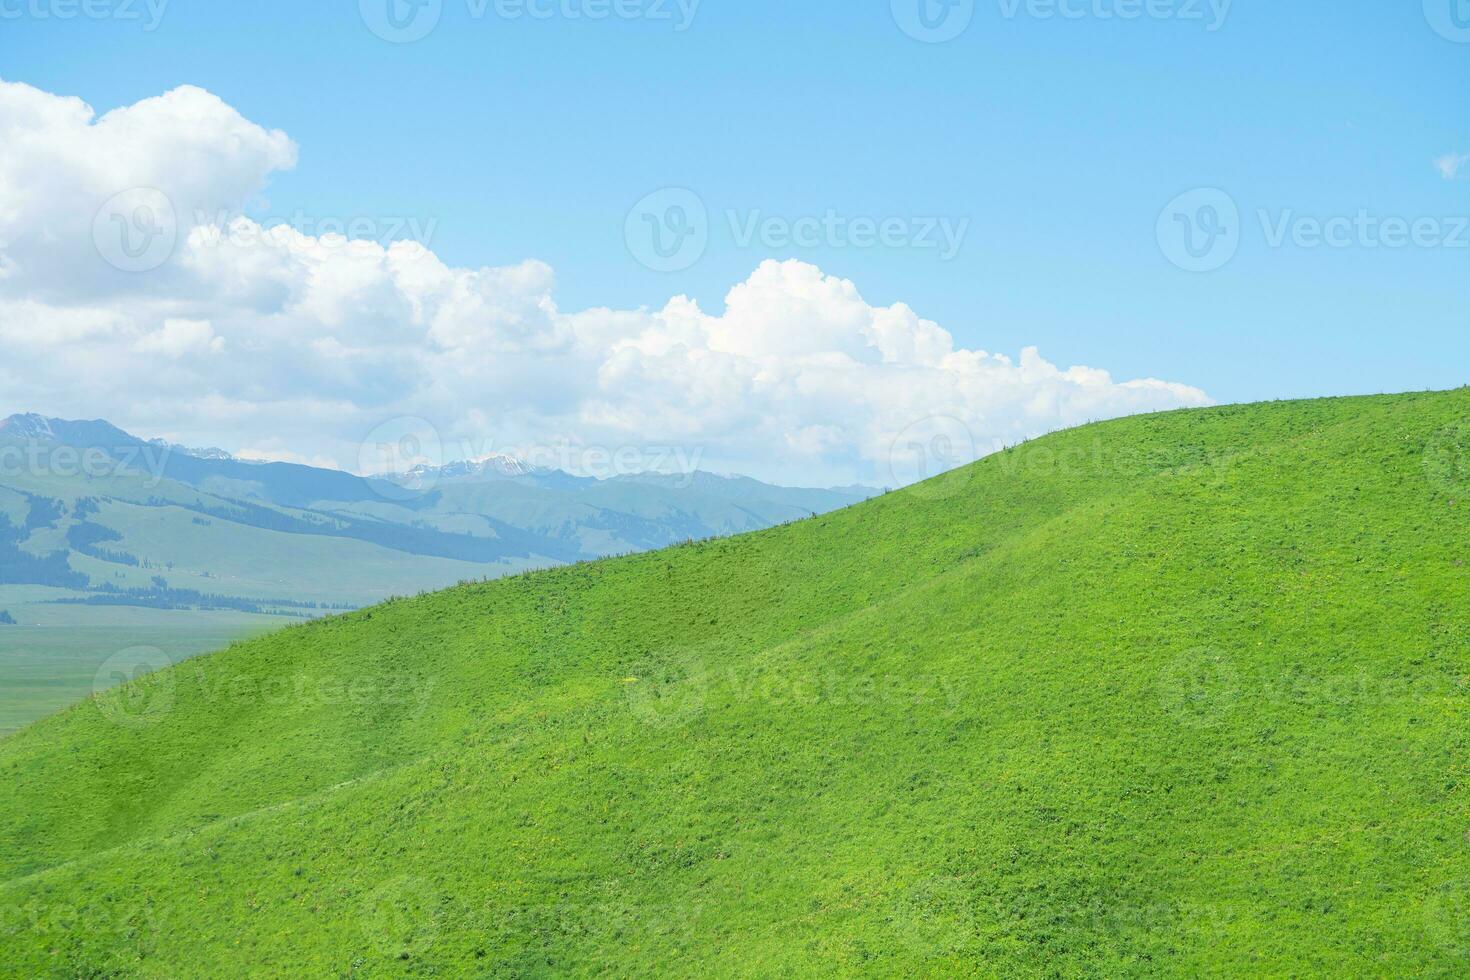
(39, 429)
(108, 518)
(210, 453)
(282, 483)
(495, 465)
(27, 427)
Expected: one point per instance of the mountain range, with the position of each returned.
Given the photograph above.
(109, 541)
(87, 507)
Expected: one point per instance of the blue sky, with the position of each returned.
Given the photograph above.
(1058, 140)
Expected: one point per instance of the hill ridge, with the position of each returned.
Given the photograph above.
(1121, 717)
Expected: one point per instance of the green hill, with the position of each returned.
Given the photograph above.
(1181, 694)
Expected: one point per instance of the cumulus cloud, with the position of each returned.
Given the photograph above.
(177, 338)
(230, 333)
(61, 163)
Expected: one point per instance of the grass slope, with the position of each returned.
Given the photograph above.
(1180, 694)
(50, 659)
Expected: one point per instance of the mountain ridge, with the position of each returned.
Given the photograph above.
(96, 433)
(492, 510)
(99, 528)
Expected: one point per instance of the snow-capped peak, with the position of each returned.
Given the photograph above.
(28, 426)
(209, 453)
(495, 464)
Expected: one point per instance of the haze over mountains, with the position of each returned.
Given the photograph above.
(110, 541)
(94, 509)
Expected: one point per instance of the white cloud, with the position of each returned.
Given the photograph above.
(257, 454)
(1450, 165)
(61, 162)
(178, 338)
(299, 346)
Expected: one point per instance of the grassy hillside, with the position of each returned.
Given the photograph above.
(50, 658)
(1180, 694)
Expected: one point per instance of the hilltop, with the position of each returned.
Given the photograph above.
(1178, 694)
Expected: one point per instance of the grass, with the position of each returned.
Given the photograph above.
(53, 657)
(218, 556)
(1182, 694)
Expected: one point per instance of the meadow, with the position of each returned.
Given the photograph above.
(1176, 695)
(53, 659)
